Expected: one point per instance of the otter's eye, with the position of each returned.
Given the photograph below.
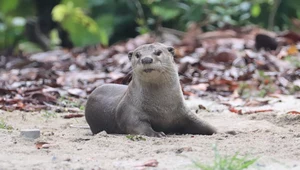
(157, 52)
(138, 55)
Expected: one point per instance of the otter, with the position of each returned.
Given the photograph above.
(152, 104)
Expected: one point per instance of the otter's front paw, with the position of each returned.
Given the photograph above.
(157, 134)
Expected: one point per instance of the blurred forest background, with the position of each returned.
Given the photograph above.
(35, 25)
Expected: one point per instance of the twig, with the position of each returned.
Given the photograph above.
(273, 14)
(172, 31)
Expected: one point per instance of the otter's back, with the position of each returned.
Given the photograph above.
(100, 107)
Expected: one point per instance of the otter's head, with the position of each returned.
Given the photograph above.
(152, 61)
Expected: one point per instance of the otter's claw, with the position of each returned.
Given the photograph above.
(158, 134)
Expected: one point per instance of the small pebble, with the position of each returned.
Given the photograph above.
(231, 132)
(102, 133)
(30, 133)
(297, 135)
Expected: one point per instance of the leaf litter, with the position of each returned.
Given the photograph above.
(231, 63)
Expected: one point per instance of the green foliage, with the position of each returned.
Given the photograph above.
(293, 60)
(7, 6)
(83, 30)
(234, 162)
(76, 3)
(101, 21)
(267, 84)
(166, 10)
(255, 10)
(244, 90)
(10, 30)
(68, 102)
(49, 114)
(135, 137)
(12, 22)
(82, 107)
(29, 47)
(107, 22)
(4, 125)
(11, 27)
(214, 13)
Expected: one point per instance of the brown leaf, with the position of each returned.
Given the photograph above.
(258, 111)
(150, 163)
(234, 110)
(50, 56)
(293, 37)
(183, 67)
(73, 79)
(223, 85)
(77, 92)
(296, 22)
(188, 93)
(201, 107)
(190, 38)
(293, 112)
(292, 50)
(30, 107)
(200, 86)
(40, 145)
(43, 97)
(256, 103)
(4, 91)
(72, 116)
(225, 56)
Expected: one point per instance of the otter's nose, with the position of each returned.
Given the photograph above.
(147, 60)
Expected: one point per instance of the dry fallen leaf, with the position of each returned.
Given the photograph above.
(293, 112)
(40, 145)
(256, 103)
(150, 163)
(201, 86)
(223, 59)
(72, 116)
(292, 50)
(77, 92)
(258, 111)
(234, 110)
(201, 107)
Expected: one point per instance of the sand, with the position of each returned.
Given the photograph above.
(272, 137)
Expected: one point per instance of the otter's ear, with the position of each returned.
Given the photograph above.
(171, 50)
(130, 55)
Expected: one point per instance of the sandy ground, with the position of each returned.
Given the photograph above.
(273, 137)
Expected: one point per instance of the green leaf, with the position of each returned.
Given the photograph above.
(220, 9)
(79, 34)
(293, 4)
(59, 12)
(76, 3)
(96, 2)
(214, 1)
(165, 12)
(106, 27)
(54, 37)
(29, 47)
(83, 30)
(255, 10)
(8, 5)
(198, 2)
